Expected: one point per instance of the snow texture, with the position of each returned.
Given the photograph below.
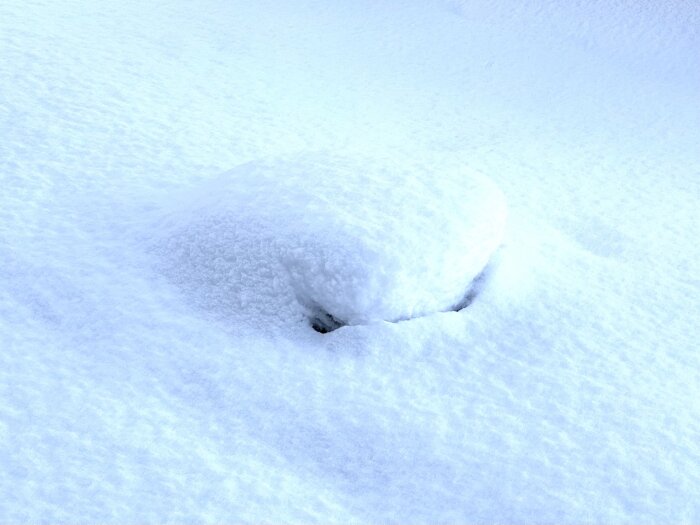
(156, 365)
(338, 234)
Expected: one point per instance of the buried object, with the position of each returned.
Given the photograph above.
(349, 240)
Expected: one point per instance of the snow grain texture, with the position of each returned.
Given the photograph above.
(360, 239)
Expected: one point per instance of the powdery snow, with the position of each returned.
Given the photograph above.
(358, 239)
(144, 380)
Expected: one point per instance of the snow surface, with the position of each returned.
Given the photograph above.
(134, 390)
(335, 236)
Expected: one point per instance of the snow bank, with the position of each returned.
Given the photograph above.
(340, 236)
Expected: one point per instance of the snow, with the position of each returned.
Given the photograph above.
(143, 380)
(335, 236)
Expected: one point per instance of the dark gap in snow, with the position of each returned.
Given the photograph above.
(474, 290)
(323, 322)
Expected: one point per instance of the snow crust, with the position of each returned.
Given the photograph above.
(340, 234)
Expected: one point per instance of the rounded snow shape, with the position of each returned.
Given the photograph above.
(356, 240)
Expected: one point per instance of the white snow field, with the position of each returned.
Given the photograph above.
(157, 359)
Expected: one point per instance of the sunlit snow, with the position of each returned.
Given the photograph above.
(186, 189)
(353, 239)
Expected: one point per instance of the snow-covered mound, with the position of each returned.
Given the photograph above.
(340, 236)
